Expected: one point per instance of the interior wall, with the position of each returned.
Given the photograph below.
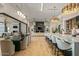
(32, 23)
(10, 23)
(23, 28)
(10, 27)
(2, 26)
(47, 26)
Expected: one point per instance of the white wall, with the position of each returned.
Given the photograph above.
(9, 22)
(47, 26)
(23, 28)
(10, 27)
(2, 27)
(32, 27)
(32, 23)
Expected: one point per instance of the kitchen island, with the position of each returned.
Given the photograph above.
(69, 39)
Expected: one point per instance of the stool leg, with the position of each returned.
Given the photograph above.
(55, 50)
(58, 53)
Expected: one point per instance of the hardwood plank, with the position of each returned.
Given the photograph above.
(38, 47)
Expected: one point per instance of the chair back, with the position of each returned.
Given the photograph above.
(16, 37)
(62, 44)
(53, 39)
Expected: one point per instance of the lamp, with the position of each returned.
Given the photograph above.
(21, 14)
(54, 19)
(70, 8)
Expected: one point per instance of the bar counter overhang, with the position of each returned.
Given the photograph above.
(72, 41)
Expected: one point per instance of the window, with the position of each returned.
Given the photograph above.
(2, 28)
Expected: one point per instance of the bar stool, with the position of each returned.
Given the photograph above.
(63, 47)
(48, 37)
(45, 34)
(54, 44)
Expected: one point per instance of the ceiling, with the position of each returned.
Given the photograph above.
(33, 11)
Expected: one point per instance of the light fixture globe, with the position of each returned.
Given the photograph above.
(54, 19)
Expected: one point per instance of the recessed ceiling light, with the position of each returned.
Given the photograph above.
(21, 14)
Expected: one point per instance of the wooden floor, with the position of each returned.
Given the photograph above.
(0, 50)
(38, 47)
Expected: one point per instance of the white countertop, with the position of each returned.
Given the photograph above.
(66, 37)
(75, 39)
